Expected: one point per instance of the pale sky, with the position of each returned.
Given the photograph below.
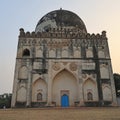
(98, 15)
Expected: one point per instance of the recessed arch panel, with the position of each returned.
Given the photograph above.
(62, 82)
(52, 53)
(77, 54)
(90, 87)
(39, 86)
(107, 95)
(64, 53)
(21, 94)
(104, 71)
(101, 54)
(26, 52)
(23, 73)
(89, 53)
(39, 52)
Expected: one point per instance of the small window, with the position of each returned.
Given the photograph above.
(89, 96)
(26, 52)
(39, 97)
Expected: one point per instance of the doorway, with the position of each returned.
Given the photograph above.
(65, 100)
(64, 83)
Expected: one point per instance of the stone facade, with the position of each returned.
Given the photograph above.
(63, 63)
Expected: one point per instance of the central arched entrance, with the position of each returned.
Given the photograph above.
(65, 100)
(64, 89)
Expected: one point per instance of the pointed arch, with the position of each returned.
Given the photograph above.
(26, 52)
(39, 80)
(64, 53)
(64, 69)
(107, 95)
(52, 53)
(39, 52)
(90, 90)
(77, 54)
(101, 54)
(62, 82)
(89, 53)
(39, 97)
(89, 96)
(89, 80)
(104, 71)
(39, 86)
(21, 94)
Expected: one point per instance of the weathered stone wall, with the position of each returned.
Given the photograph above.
(63, 61)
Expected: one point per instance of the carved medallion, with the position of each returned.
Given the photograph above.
(73, 67)
(56, 66)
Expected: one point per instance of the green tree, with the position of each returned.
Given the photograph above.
(117, 83)
(5, 100)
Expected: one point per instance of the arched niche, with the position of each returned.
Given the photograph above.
(64, 83)
(52, 53)
(89, 96)
(23, 73)
(26, 52)
(104, 72)
(107, 95)
(89, 53)
(64, 53)
(101, 54)
(90, 87)
(21, 94)
(77, 54)
(39, 86)
(39, 52)
(39, 96)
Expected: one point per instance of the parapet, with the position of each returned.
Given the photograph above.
(61, 33)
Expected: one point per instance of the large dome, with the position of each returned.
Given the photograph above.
(60, 19)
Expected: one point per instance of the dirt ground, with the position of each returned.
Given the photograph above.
(89, 113)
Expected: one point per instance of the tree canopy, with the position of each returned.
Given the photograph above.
(117, 83)
(5, 100)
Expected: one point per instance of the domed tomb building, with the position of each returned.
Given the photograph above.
(61, 64)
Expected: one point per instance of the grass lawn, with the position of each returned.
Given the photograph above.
(83, 113)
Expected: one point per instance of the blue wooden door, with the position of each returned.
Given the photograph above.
(65, 101)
